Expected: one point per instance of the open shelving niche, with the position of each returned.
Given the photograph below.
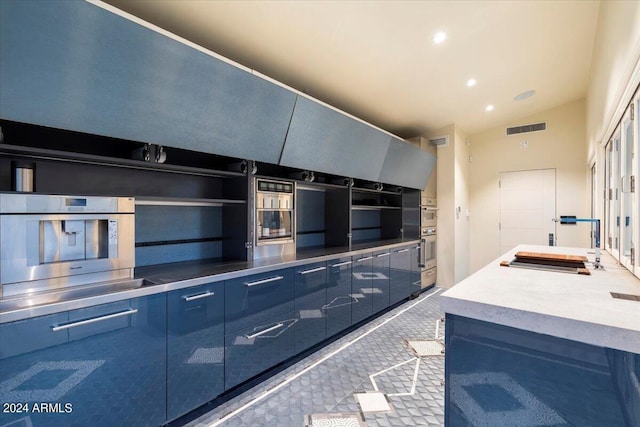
(187, 209)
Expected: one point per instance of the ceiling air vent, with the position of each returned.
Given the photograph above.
(527, 128)
(441, 141)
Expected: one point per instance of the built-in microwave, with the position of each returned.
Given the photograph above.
(428, 216)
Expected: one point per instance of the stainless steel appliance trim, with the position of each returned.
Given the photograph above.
(262, 282)
(340, 264)
(257, 334)
(207, 294)
(62, 326)
(423, 253)
(367, 258)
(313, 270)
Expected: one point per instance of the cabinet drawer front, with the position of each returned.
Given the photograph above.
(93, 360)
(253, 299)
(339, 299)
(254, 349)
(195, 371)
(362, 305)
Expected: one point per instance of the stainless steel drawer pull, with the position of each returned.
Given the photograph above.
(402, 250)
(364, 259)
(340, 264)
(262, 282)
(431, 273)
(382, 255)
(257, 334)
(188, 298)
(63, 326)
(313, 270)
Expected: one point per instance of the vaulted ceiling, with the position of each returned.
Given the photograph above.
(377, 59)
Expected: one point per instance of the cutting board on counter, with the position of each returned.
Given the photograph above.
(551, 262)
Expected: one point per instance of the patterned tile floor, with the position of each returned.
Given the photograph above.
(326, 381)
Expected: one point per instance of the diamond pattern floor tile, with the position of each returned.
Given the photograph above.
(329, 388)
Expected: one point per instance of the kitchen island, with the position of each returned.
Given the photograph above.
(538, 347)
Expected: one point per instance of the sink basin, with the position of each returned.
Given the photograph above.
(18, 302)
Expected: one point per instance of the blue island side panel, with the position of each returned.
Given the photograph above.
(498, 375)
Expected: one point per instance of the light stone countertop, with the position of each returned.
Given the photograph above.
(565, 305)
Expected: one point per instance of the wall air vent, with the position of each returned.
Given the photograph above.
(527, 128)
(440, 141)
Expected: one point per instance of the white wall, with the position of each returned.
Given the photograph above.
(561, 146)
(614, 62)
(615, 74)
(452, 190)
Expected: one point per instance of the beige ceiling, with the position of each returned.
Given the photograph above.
(376, 59)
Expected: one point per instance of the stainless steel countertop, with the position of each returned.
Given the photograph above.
(169, 277)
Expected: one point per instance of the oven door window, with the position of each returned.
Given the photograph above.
(274, 224)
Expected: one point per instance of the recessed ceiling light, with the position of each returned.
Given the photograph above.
(471, 82)
(524, 95)
(439, 37)
(489, 107)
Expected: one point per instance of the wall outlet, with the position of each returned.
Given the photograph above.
(524, 144)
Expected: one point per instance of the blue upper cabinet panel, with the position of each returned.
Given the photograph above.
(406, 165)
(324, 140)
(73, 65)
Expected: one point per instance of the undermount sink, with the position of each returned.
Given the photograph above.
(18, 302)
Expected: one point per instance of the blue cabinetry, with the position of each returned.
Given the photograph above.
(259, 324)
(98, 366)
(361, 283)
(380, 281)
(73, 65)
(400, 274)
(339, 299)
(195, 356)
(311, 298)
(325, 140)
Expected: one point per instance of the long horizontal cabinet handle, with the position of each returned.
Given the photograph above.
(367, 258)
(207, 294)
(340, 264)
(383, 255)
(257, 334)
(262, 282)
(63, 326)
(402, 250)
(313, 270)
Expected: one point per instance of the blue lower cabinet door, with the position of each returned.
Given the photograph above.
(416, 283)
(99, 366)
(195, 356)
(380, 281)
(362, 304)
(251, 300)
(311, 298)
(400, 274)
(339, 299)
(254, 349)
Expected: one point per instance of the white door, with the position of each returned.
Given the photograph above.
(527, 208)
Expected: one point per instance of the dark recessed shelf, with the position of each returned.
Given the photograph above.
(174, 201)
(371, 207)
(57, 155)
(369, 190)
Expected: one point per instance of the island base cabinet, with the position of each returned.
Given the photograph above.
(498, 375)
(254, 349)
(195, 356)
(98, 366)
